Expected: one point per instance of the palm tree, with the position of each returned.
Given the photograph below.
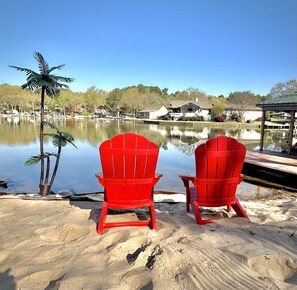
(60, 139)
(51, 85)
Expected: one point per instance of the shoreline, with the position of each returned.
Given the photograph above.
(212, 124)
(274, 193)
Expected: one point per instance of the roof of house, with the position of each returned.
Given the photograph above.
(151, 109)
(286, 102)
(179, 103)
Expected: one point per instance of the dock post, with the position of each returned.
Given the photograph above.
(262, 130)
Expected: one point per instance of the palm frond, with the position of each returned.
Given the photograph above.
(72, 143)
(35, 159)
(50, 125)
(48, 154)
(52, 84)
(42, 64)
(52, 91)
(59, 141)
(26, 70)
(69, 138)
(32, 82)
(32, 86)
(33, 76)
(53, 88)
(56, 67)
(62, 79)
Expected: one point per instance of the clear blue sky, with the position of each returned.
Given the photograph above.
(217, 46)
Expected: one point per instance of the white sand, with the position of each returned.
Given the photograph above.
(54, 245)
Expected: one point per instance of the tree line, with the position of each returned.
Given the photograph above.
(129, 100)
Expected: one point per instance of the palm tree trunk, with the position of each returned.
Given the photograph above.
(48, 166)
(42, 135)
(56, 165)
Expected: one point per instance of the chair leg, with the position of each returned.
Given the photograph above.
(188, 198)
(102, 219)
(196, 212)
(239, 210)
(153, 216)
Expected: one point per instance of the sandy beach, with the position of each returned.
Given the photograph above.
(53, 244)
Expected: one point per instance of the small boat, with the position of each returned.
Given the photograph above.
(3, 183)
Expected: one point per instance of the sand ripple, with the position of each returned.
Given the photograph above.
(54, 245)
(62, 233)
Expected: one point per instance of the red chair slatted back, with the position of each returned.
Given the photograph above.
(219, 162)
(128, 162)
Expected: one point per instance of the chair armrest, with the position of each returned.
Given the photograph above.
(186, 179)
(158, 175)
(241, 177)
(100, 177)
(99, 174)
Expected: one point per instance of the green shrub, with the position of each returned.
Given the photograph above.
(195, 118)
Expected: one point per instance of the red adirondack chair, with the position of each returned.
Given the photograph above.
(128, 163)
(219, 162)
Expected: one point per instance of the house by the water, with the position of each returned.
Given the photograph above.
(248, 113)
(152, 112)
(182, 108)
(179, 109)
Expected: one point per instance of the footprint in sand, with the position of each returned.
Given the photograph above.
(40, 278)
(131, 258)
(137, 279)
(114, 239)
(78, 215)
(276, 267)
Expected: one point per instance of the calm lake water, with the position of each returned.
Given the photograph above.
(19, 140)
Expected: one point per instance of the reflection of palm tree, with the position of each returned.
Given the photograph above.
(10, 133)
(187, 149)
(49, 84)
(189, 140)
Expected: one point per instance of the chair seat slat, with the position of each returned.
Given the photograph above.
(125, 151)
(124, 181)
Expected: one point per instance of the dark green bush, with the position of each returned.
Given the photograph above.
(196, 118)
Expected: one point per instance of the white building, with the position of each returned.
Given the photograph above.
(179, 109)
(152, 112)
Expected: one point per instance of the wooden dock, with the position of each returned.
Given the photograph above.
(274, 167)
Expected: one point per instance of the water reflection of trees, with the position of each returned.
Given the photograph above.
(187, 149)
(16, 132)
(184, 144)
(186, 141)
(276, 140)
(25, 131)
(95, 131)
